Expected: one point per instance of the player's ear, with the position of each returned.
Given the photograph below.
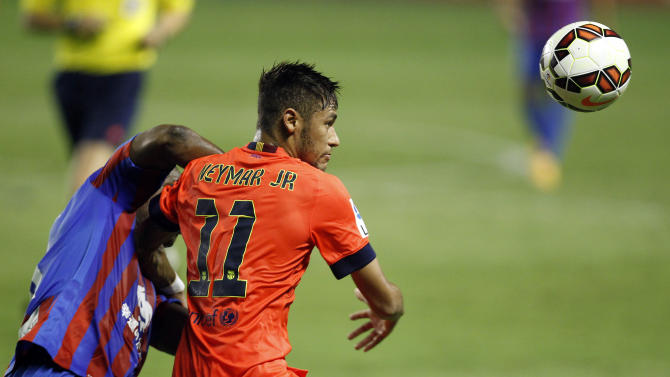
(290, 120)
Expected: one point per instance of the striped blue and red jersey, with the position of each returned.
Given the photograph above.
(91, 307)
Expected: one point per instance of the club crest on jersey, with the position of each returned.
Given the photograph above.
(360, 224)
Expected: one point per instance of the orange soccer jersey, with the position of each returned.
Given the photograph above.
(250, 218)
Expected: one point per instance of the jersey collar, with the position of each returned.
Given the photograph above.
(259, 146)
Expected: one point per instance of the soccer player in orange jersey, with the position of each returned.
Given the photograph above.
(250, 219)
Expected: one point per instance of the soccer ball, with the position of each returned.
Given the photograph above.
(585, 66)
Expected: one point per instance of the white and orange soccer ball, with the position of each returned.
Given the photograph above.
(585, 66)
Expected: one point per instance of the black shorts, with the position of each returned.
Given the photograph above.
(32, 360)
(97, 107)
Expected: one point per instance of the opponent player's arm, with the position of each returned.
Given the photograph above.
(165, 146)
(149, 240)
(162, 148)
(153, 261)
(385, 303)
(166, 326)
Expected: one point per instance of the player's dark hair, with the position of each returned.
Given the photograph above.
(293, 85)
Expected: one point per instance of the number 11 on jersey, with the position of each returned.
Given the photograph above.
(230, 284)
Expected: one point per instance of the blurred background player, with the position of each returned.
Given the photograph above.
(103, 49)
(532, 22)
(91, 310)
(250, 219)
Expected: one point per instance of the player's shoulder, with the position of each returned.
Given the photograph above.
(329, 179)
(327, 184)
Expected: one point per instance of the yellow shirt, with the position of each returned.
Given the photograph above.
(117, 48)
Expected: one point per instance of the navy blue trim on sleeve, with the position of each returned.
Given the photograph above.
(353, 262)
(157, 215)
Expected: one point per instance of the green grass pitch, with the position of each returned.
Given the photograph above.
(499, 279)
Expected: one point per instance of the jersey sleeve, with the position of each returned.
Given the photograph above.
(338, 230)
(163, 207)
(127, 184)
